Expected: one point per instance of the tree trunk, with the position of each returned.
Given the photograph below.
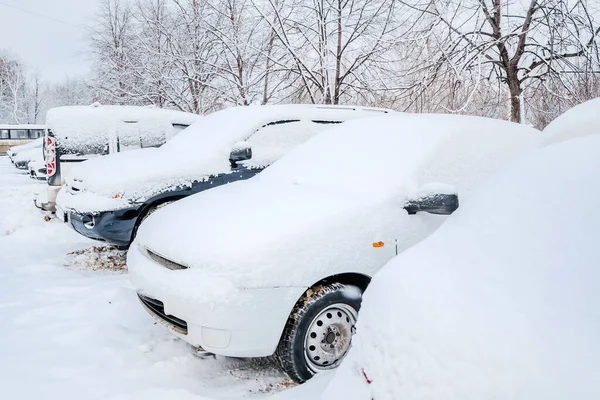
(514, 87)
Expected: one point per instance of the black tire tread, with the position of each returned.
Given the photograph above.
(283, 352)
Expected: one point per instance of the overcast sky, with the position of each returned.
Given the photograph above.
(47, 35)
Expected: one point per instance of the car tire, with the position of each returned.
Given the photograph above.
(319, 331)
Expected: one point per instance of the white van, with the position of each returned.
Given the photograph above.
(77, 133)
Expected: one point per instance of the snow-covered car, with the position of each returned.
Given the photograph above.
(277, 263)
(37, 167)
(502, 302)
(78, 133)
(24, 157)
(581, 120)
(14, 151)
(107, 199)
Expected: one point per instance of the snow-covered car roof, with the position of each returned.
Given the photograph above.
(22, 126)
(331, 194)
(86, 122)
(581, 120)
(503, 301)
(222, 129)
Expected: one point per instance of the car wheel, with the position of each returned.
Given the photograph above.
(319, 331)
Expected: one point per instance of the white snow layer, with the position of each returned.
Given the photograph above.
(32, 153)
(202, 150)
(581, 120)
(317, 211)
(39, 142)
(502, 302)
(75, 333)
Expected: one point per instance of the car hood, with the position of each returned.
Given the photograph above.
(28, 154)
(262, 233)
(139, 174)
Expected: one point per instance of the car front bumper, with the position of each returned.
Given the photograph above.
(21, 164)
(114, 227)
(235, 323)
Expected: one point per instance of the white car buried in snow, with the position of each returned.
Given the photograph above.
(502, 302)
(277, 264)
(24, 157)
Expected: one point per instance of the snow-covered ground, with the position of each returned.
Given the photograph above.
(71, 328)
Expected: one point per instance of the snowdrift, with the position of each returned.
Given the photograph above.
(581, 120)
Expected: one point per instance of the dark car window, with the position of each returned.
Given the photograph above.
(275, 139)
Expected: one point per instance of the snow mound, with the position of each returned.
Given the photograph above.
(35, 143)
(581, 120)
(502, 302)
(33, 153)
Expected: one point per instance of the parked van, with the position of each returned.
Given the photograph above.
(108, 198)
(78, 133)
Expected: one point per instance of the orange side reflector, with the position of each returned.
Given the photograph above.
(378, 244)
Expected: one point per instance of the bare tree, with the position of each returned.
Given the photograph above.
(514, 45)
(13, 90)
(112, 43)
(332, 43)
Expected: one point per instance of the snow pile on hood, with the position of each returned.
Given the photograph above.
(324, 204)
(581, 120)
(33, 153)
(33, 144)
(199, 151)
(502, 302)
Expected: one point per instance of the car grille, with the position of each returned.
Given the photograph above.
(165, 262)
(157, 309)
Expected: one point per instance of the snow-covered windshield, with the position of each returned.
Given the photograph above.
(379, 154)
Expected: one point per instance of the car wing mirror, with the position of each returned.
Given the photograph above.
(240, 151)
(434, 199)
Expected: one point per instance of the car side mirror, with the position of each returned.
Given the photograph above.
(241, 151)
(434, 199)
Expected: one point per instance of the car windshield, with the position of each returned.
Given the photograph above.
(361, 155)
(388, 153)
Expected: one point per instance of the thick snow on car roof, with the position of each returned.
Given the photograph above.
(22, 126)
(222, 129)
(581, 120)
(97, 122)
(502, 302)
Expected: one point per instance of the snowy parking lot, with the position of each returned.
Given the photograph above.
(73, 327)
